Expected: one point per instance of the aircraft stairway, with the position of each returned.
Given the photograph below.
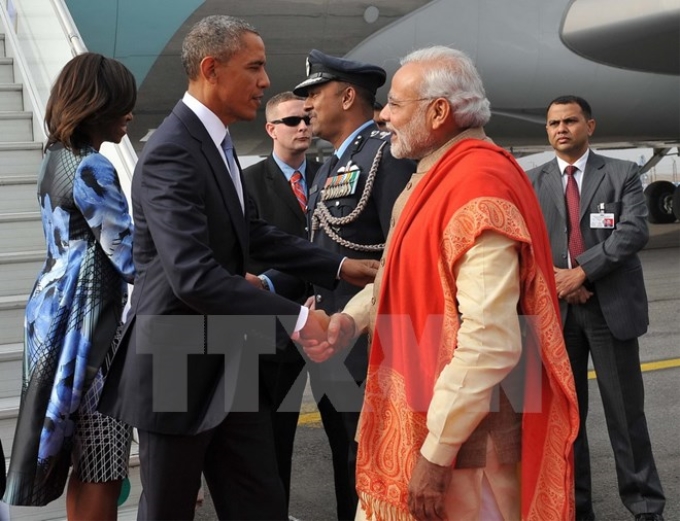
(22, 251)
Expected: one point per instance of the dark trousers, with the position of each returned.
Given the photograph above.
(282, 384)
(339, 400)
(619, 378)
(238, 462)
(340, 427)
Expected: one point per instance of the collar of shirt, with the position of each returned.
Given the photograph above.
(341, 149)
(288, 170)
(580, 163)
(211, 122)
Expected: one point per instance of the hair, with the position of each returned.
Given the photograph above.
(366, 97)
(219, 36)
(90, 90)
(453, 76)
(569, 98)
(279, 98)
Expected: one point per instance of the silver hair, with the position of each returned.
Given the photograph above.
(453, 76)
(219, 36)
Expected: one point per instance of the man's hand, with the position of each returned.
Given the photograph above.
(314, 330)
(254, 280)
(313, 336)
(427, 490)
(580, 296)
(338, 334)
(568, 280)
(359, 272)
(341, 331)
(310, 303)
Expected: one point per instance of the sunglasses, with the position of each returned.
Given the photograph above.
(292, 121)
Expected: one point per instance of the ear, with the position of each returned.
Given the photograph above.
(270, 128)
(349, 96)
(591, 127)
(439, 113)
(209, 68)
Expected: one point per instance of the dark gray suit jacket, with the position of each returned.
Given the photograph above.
(192, 243)
(610, 261)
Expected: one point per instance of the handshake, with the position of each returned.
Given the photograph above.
(323, 336)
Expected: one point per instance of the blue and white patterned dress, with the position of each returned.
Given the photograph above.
(71, 316)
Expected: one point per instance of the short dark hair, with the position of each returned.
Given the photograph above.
(220, 36)
(91, 90)
(365, 96)
(570, 98)
(279, 98)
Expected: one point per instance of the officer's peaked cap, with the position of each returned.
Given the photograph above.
(322, 68)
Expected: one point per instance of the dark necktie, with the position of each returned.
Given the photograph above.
(298, 190)
(228, 147)
(573, 200)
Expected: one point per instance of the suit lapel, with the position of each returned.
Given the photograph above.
(553, 184)
(282, 189)
(592, 177)
(219, 171)
(310, 174)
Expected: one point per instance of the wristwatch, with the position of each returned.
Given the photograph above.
(265, 283)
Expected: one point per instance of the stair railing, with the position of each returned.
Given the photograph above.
(40, 48)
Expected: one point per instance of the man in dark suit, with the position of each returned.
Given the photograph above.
(350, 208)
(595, 214)
(176, 369)
(271, 184)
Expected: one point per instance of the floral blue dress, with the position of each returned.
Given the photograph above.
(71, 316)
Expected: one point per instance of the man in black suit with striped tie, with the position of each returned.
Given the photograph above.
(278, 186)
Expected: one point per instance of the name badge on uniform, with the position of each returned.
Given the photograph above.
(343, 184)
(602, 220)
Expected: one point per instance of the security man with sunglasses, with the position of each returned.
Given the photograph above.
(349, 212)
(278, 185)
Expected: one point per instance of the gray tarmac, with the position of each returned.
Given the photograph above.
(312, 495)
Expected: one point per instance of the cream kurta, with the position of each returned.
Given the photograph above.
(489, 342)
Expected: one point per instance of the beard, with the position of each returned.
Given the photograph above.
(412, 141)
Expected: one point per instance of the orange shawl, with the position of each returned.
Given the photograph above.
(475, 186)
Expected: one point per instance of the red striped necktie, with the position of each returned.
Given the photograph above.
(573, 199)
(298, 190)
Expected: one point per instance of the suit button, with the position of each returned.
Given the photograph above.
(306, 229)
(319, 299)
(392, 222)
(409, 185)
(382, 261)
(245, 337)
(373, 301)
(564, 255)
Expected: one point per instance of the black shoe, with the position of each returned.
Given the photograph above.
(648, 517)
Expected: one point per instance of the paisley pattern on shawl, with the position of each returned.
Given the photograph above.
(470, 190)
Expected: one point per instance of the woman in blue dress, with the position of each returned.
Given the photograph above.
(77, 301)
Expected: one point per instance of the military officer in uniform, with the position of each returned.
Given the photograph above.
(350, 204)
